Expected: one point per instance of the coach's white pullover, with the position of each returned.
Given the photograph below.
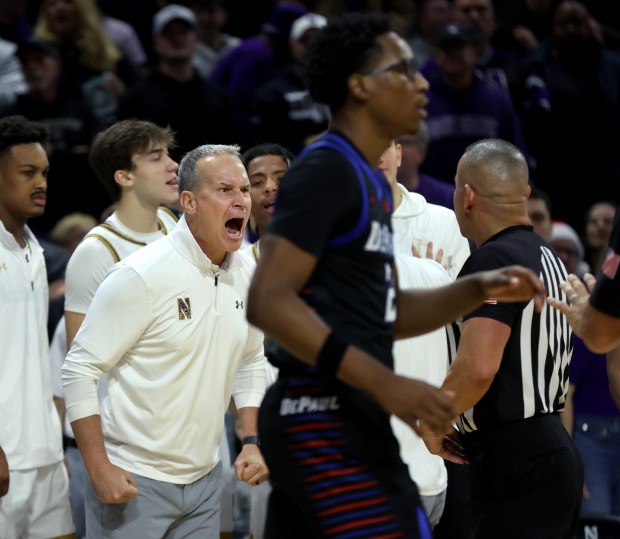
(169, 328)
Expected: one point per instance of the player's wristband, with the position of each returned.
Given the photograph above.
(331, 355)
(250, 440)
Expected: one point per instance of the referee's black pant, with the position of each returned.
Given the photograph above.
(526, 480)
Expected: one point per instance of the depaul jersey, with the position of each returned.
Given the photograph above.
(533, 375)
(332, 204)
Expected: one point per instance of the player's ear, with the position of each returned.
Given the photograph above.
(123, 178)
(359, 86)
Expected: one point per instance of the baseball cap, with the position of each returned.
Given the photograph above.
(38, 44)
(304, 23)
(172, 12)
(455, 32)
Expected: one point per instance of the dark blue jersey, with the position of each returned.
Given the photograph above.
(332, 204)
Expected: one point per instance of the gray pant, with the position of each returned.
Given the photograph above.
(77, 483)
(160, 510)
(434, 505)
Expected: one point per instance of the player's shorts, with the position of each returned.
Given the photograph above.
(335, 465)
(37, 503)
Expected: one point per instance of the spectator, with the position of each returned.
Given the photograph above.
(566, 242)
(597, 232)
(92, 66)
(505, 69)
(583, 78)
(431, 17)
(525, 24)
(257, 60)
(127, 41)
(592, 310)
(593, 419)
(72, 122)
(213, 42)
(286, 113)
(139, 14)
(591, 306)
(11, 77)
(539, 210)
(462, 107)
(174, 94)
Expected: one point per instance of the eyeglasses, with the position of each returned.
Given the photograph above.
(406, 66)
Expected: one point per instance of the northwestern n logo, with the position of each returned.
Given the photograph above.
(185, 310)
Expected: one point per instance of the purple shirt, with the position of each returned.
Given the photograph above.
(243, 70)
(588, 373)
(458, 118)
(435, 191)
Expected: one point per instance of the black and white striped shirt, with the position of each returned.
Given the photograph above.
(533, 375)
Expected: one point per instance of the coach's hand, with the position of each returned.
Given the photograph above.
(250, 466)
(113, 484)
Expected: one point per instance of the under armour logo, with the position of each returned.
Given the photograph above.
(239, 304)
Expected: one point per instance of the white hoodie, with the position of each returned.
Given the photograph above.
(416, 222)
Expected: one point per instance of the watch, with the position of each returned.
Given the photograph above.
(251, 440)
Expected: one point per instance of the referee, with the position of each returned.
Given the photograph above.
(510, 374)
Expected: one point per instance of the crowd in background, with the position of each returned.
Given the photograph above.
(543, 76)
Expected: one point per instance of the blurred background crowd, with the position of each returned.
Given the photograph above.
(543, 74)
